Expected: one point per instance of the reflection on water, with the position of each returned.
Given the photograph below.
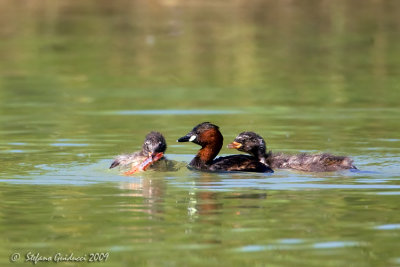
(204, 212)
(241, 215)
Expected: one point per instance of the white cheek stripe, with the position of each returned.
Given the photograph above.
(192, 138)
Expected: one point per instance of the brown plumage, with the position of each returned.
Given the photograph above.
(210, 139)
(309, 162)
(254, 144)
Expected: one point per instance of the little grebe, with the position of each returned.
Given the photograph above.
(210, 139)
(153, 150)
(254, 144)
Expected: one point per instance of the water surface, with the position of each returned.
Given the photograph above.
(81, 82)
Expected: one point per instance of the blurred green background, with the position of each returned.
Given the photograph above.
(83, 81)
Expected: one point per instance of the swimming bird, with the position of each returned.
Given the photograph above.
(208, 136)
(254, 145)
(153, 149)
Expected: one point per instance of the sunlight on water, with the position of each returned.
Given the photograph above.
(388, 227)
(335, 244)
(294, 245)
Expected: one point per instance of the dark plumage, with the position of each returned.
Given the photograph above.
(243, 163)
(153, 144)
(210, 139)
(254, 144)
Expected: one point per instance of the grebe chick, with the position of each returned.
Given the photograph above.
(254, 144)
(153, 149)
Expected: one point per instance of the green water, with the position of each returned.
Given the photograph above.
(83, 81)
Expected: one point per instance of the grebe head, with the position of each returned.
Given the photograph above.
(204, 134)
(249, 142)
(154, 143)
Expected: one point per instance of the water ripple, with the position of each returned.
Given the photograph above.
(335, 244)
(169, 112)
(388, 227)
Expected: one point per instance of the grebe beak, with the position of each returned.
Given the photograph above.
(187, 138)
(235, 145)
